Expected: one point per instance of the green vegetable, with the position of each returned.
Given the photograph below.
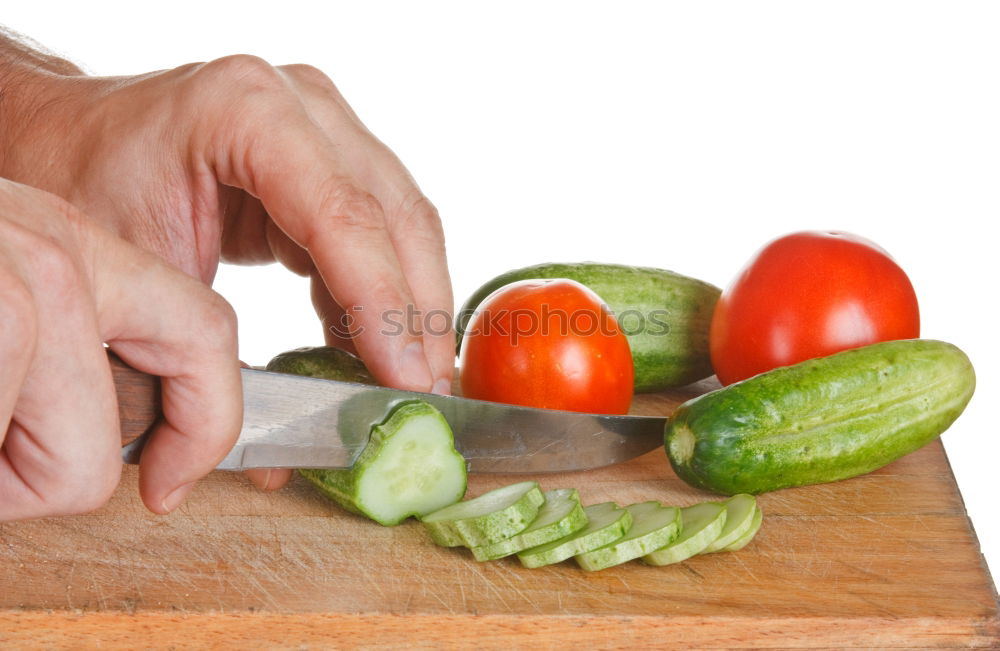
(324, 362)
(483, 520)
(740, 510)
(744, 540)
(701, 525)
(409, 467)
(653, 526)
(606, 523)
(821, 420)
(665, 315)
(560, 515)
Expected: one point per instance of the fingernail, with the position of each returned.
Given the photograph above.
(172, 501)
(442, 387)
(413, 369)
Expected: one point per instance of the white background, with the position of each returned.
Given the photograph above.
(681, 136)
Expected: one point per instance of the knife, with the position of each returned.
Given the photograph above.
(291, 421)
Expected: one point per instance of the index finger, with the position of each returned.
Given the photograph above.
(412, 220)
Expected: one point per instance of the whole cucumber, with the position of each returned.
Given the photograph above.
(665, 315)
(820, 420)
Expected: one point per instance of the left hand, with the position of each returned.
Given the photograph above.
(241, 161)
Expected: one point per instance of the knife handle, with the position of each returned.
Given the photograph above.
(139, 405)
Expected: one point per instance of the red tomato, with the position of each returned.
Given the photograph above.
(808, 295)
(547, 343)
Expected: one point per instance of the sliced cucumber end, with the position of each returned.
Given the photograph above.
(417, 470)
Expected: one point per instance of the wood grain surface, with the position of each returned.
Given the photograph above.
(888, 560)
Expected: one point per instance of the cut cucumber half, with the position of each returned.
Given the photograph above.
(739, 518)
(606, 523)
(409, 467)
(653, 526)
(560, 515)
(701, 525)
(493, 516)
(741, 542)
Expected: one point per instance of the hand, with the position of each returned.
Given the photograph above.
(66, 286)
(261, 164)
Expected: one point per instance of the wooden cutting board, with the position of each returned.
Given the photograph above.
(888, 560)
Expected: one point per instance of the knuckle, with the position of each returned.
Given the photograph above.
(219, 322)
(382, 291)
(420, 219)
(310, 75)
(243, 69)
(244, 90)
(351, 208)
(55, 266)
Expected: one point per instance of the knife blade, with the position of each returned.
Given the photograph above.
(291, 421)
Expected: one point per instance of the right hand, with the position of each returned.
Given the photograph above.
(66, 287)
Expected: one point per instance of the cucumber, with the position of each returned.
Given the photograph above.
(821, 420)
(653, 526)
(493, 516)
(740, 510)
(560, 515)
(665, 315)
(606, 523)
(744, 540)
(324, 362)
(701, 524)
(409, 468)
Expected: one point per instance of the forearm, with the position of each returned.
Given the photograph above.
(20, 52)
(27, 74)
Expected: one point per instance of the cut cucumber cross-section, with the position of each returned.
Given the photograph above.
(560, 515)
(701, 524)
(409, 467)
(742, 541)
(739, 518)
(607, 522)
(493, 516)
(653, 526)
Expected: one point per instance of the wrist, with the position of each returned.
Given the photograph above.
(34, 87)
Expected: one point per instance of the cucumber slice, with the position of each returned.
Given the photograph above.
(560, 515)
(607, 522)
(409, 467)
(742, 541)
(739, 518)
(653, 526)
(701, 525)
(493, 516)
